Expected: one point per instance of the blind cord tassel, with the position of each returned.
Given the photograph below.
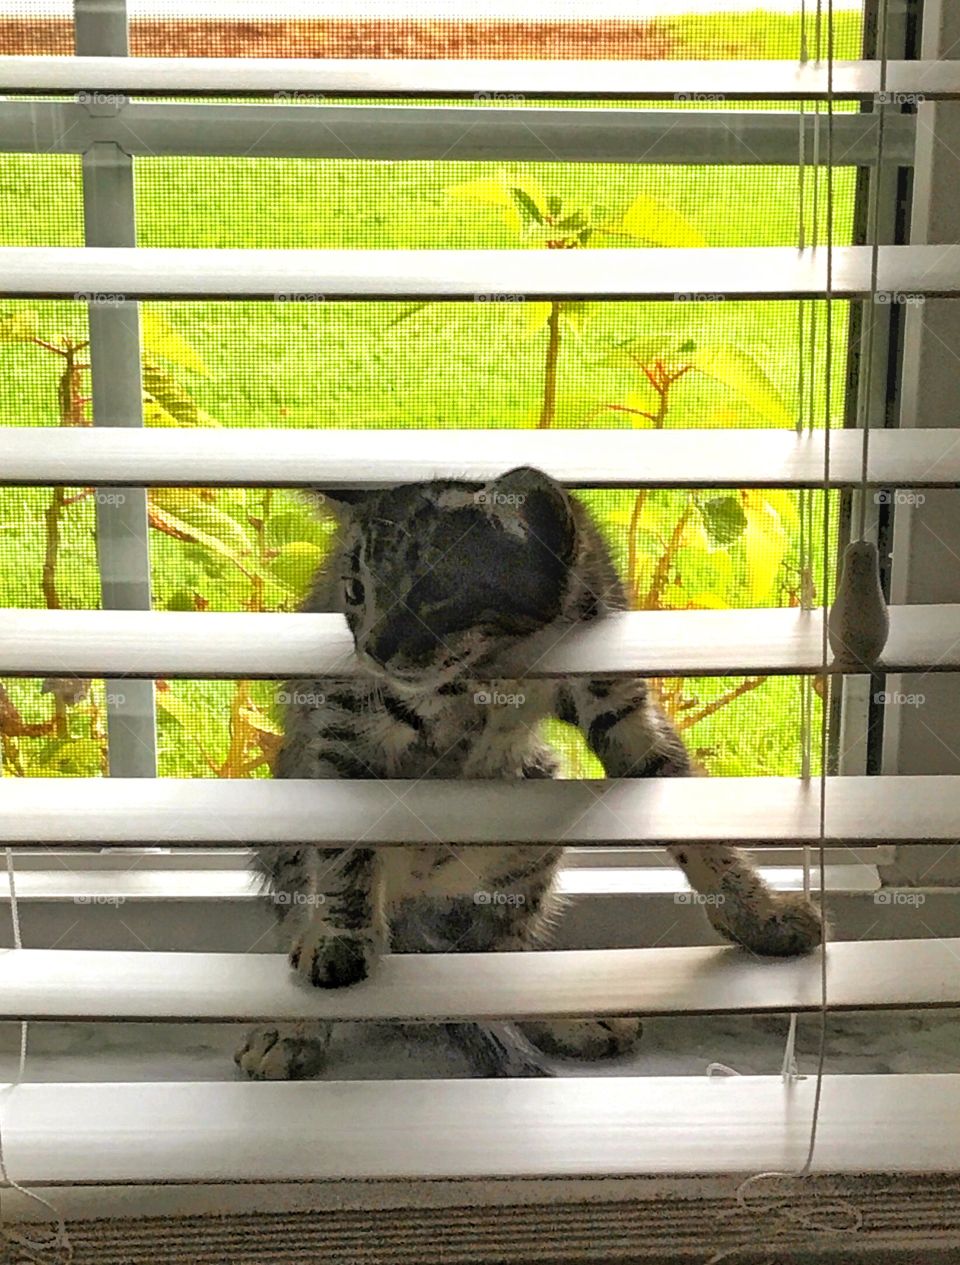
(859, 622)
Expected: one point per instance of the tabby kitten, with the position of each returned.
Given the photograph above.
(444, 585)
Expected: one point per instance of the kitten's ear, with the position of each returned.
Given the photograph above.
(530, 499)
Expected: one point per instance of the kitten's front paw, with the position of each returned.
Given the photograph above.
(286, 1053)
(333, 960)
(585, 1038)
(786, 924)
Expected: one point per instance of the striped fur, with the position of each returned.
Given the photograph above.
(442, 584)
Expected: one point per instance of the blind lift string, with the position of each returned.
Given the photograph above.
(787, 1222)
(19, 1248)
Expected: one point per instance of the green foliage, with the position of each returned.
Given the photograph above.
(723, 518)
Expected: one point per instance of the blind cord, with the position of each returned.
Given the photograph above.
(788, 1222)
(859, 622)
(19, 1249)
(874, 227)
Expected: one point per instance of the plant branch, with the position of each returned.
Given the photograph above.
(12, 724)
(633, 579)
(52, 549)
(550, 368)
(708, 709)
(662, 570)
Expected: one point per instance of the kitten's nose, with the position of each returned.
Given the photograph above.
(403, 643)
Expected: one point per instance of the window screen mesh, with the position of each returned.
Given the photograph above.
(36, 27)
(303, 362)
(370, 28)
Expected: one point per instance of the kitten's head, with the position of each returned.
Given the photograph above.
(436, 576)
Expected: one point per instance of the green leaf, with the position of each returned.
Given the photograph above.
(161, 339)
(19, 327)
(634, 352)
(724, 518)
(235, 546)
(784, 503)
(526, 204)
(170, 404)
(71, 755)
(290, 525)
(765, 543)
(655, 222)
(297, 563)
(576, 313)
(181, 600)
(576, 220)
(257, 719)
(741, 373)
(193, 508)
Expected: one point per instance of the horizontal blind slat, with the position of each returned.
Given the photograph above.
(202, 812)
(433, 133)
(589, 1126)
(115, 274)
(212, 645)
(90, 985)
(629, 80)
(331, 459)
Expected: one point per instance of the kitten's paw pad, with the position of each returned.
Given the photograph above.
(585, 1038)
(335, 961)
(789, 924)
(269, 1054)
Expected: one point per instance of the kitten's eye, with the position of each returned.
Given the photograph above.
(354, 592)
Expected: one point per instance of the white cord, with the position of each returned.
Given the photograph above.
(790, 1223)
(21, 1250)
(873, 221)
